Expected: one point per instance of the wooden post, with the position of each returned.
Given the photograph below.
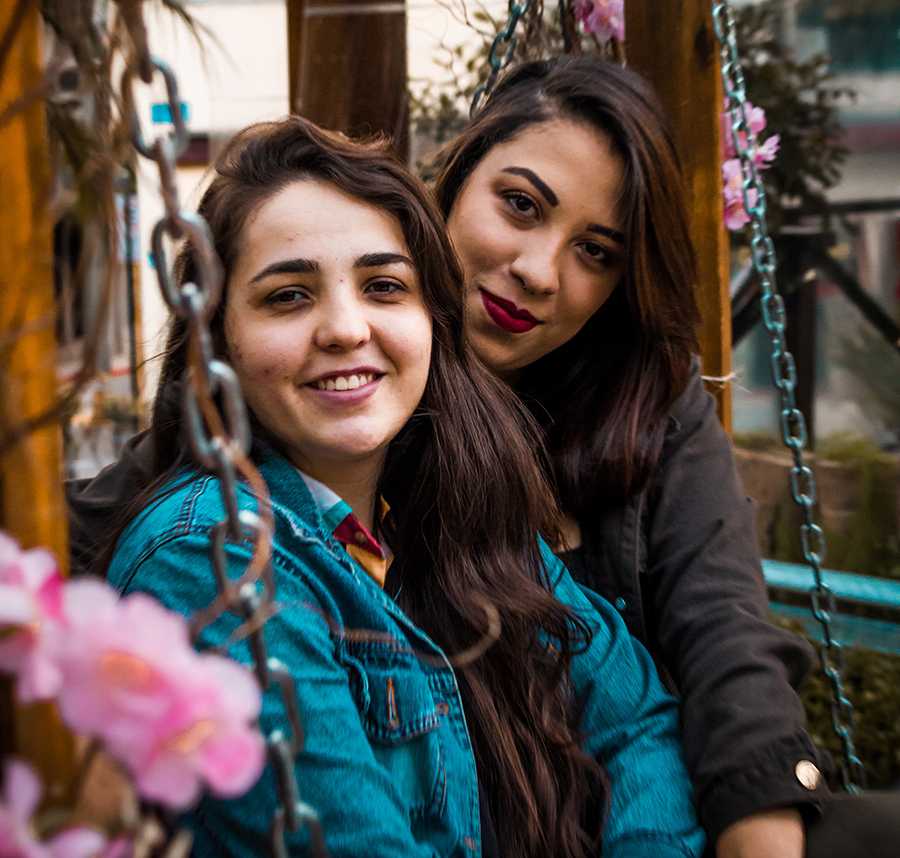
(32, 508)
(674, 46)
(348, 66)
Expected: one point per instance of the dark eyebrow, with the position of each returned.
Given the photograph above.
(535, 180)
(287, 266)
(377, 260)
(614, 234)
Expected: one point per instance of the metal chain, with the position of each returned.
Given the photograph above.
(220, 442)
(784, 375)
(502, 50)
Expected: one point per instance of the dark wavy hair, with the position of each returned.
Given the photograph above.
(467, 496)
(603, 398)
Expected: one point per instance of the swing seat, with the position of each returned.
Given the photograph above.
(868, 608)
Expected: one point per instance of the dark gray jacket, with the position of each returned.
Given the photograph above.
(681, 563)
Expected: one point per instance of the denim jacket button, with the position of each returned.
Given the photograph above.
(620, 603)
(807, 774)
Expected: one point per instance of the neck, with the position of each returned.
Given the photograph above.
(510, 376)
(355, 483)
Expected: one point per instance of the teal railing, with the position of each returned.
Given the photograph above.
(868, 608)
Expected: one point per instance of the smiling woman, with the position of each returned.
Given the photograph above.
(519, 246)
(565, 200)
(328, 331)
(460, 695)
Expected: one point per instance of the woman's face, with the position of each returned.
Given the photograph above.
(326, 325)
(538, 231)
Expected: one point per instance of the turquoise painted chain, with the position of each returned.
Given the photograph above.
(784, 376)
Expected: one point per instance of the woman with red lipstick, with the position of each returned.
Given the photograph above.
(563, 199)
(342, 319)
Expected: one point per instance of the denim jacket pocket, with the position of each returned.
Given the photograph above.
(401, 720)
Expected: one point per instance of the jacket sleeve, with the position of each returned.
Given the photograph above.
(630, 724)
(742, 721)
(96, 504)
(360, 810)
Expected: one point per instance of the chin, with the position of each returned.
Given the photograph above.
(356, 446)
(498, 360)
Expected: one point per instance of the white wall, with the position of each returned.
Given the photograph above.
(239, 76)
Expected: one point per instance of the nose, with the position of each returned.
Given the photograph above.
(537, 266)
(342, 324)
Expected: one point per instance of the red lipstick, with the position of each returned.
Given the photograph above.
(507, 315)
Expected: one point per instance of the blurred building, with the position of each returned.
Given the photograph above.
(857, 378)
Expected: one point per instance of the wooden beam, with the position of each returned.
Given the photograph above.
(347, 63)
(674, 46)
(32, 508)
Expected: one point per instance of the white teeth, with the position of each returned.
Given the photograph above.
(345, 382)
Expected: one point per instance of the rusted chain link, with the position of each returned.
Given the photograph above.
(220, 439)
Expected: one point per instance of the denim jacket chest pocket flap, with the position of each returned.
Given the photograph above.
(401, 718)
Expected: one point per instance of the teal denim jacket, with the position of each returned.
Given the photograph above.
(387, 762)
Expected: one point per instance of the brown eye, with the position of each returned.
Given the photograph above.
(521, 204)
(286, 298)
(384, 288)
(596, 253)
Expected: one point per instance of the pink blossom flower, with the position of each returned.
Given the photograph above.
(174, 717)
(765, 154)
(30, 615)
(121, 847)
(20, 798)
(756, 120)
(604, 18)
(735, 213)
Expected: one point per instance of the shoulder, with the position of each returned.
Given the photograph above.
(694, 434)
(693, 407)
(187, 501)
(167, 551)
(182, 513)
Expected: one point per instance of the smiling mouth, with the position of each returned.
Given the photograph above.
(351, 381)
(506, 315)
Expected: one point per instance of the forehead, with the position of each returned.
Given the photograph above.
(313, 218)
(575, 159)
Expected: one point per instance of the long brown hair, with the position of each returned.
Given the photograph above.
(467, 496)
(603, 397)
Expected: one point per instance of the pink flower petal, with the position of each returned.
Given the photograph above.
(237, 685)
(231, 762)
(50, 596)
(76, 843)
(90, 602)
(756, 119)
(21, 790)
(40, 679)
(766, 153)
(170, 782)
(30, 616)
(121, 847)
(604, 18)
(16, 606)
